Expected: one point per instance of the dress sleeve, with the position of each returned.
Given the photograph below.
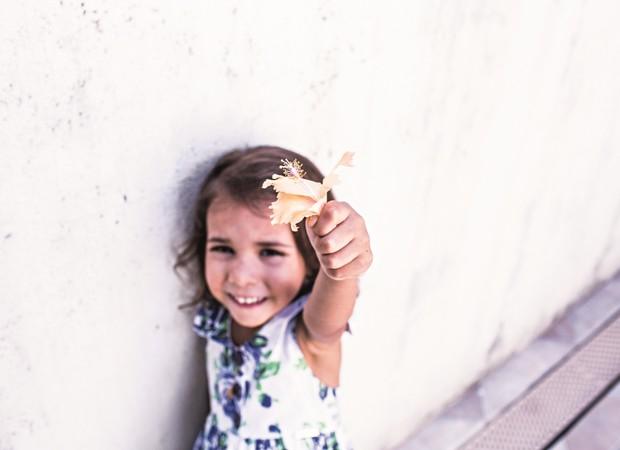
(200, 322)
(210, 321)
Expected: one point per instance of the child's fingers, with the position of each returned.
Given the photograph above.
(339, 259)
(340, 240)
(353, 269)
(335, 240)
(332, 214)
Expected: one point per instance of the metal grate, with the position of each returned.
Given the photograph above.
(553, 404)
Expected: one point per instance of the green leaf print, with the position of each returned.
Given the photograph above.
(258, 341)
(223, 441)
(301, 364)
(267, 370)
(332, 442)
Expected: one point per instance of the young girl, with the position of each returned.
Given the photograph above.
(274, 305)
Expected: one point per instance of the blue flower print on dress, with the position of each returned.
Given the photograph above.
(325, 441)
(211, 438)
(229, 393)
(324, 390)
(233, 383)
(265, 400)
(231, 386)
(262, 393)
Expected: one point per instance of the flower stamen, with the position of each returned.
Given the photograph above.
(292, 169)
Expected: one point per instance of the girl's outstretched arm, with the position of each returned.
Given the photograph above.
(342, 245)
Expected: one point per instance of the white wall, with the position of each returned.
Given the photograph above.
(487, 169)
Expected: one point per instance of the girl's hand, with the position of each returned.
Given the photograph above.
(340, 240)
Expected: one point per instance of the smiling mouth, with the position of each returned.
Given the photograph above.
(247, 301)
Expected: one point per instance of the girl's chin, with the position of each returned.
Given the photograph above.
(250, 317)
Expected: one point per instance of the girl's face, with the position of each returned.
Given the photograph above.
(252, 267)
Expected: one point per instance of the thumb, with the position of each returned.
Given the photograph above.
(310, 222)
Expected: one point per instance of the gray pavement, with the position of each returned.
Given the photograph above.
(488, 399)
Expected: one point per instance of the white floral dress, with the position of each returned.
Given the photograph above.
(263, 394)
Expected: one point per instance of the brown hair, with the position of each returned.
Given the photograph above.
(239, 174)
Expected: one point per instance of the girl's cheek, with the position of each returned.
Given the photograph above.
(213, 270)
(280, 274)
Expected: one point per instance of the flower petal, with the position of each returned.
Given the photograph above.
(332, 179)
(290, 208)
(299, 198)
(295, 186)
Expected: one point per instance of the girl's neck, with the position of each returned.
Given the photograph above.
(240, 334)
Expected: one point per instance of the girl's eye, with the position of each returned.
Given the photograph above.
(270, 252)
(221, 249)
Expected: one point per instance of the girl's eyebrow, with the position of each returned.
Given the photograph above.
(218, 239)
(222, 240)
(272, 244)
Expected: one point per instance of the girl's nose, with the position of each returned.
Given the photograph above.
(242, 273)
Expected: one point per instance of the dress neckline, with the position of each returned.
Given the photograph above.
(289, 310)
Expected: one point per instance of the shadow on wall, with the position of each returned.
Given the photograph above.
(187, 194)
(192, 393)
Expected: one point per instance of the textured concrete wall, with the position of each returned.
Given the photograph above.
(487, 143)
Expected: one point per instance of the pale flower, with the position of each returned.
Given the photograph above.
(298, 197)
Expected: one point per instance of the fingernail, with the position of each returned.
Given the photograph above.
(311, 221)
